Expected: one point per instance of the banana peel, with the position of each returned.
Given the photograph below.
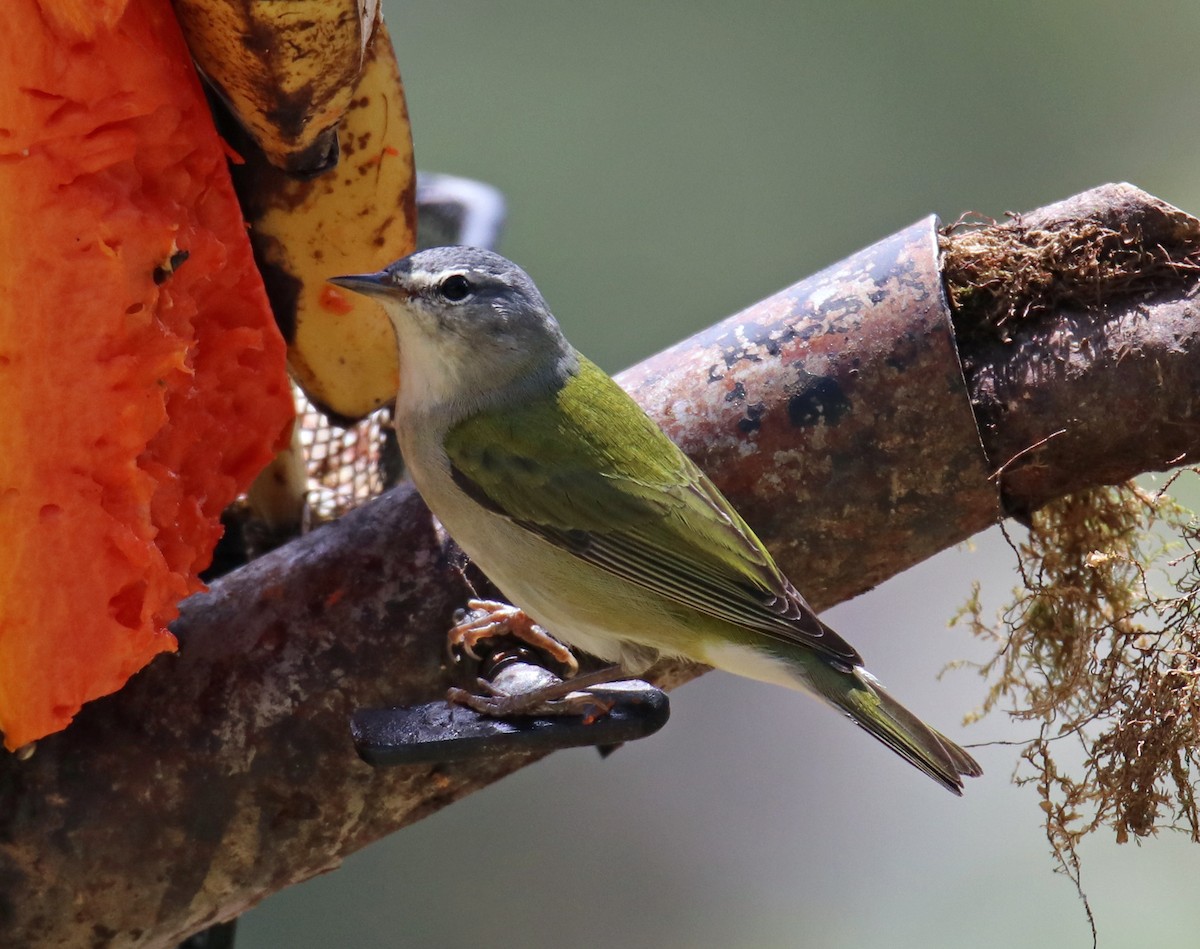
(279, 495)
(358, 217)
(285, 68)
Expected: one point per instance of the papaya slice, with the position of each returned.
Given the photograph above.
(143, 382)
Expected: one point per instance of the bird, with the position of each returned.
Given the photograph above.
(589, 519)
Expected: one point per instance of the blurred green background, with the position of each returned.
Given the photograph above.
(665, 165)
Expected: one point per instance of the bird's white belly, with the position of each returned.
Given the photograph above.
(580, 604)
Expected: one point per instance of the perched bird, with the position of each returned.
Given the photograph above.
(574, 502)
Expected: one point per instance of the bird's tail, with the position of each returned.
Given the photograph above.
(872, 709)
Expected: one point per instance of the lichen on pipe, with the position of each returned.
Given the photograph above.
(835, 417)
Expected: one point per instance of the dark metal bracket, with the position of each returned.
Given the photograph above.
(441, 731)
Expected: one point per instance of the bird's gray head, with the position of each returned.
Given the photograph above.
(470, 325)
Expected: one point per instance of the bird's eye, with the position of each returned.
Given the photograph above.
(455, 288)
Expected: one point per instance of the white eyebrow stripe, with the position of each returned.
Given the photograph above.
(426, 280)
(421, 280)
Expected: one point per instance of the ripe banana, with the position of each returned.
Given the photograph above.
(355, 218)
(286, 68)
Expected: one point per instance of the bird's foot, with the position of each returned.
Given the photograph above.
(489, 619)
(569, 697)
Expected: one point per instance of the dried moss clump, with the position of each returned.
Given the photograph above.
(1102, 649)
(998, 274)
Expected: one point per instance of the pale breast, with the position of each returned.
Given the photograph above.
(583, 605)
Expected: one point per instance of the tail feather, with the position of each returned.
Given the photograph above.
(873, 710)
(853, 691)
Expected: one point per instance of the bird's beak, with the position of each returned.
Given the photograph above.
(368, 284)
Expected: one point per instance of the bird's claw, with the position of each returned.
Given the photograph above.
(490, 619)
(499, 705)
(568, 697)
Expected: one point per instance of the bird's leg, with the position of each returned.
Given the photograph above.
(560, 698)
(505, 696)
(488, 619)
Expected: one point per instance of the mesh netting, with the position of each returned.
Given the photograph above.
(345, 465)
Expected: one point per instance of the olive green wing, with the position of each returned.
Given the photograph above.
(587, 470)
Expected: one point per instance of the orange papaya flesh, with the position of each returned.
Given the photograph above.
(143, 383)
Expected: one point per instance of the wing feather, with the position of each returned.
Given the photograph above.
(588, 471)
